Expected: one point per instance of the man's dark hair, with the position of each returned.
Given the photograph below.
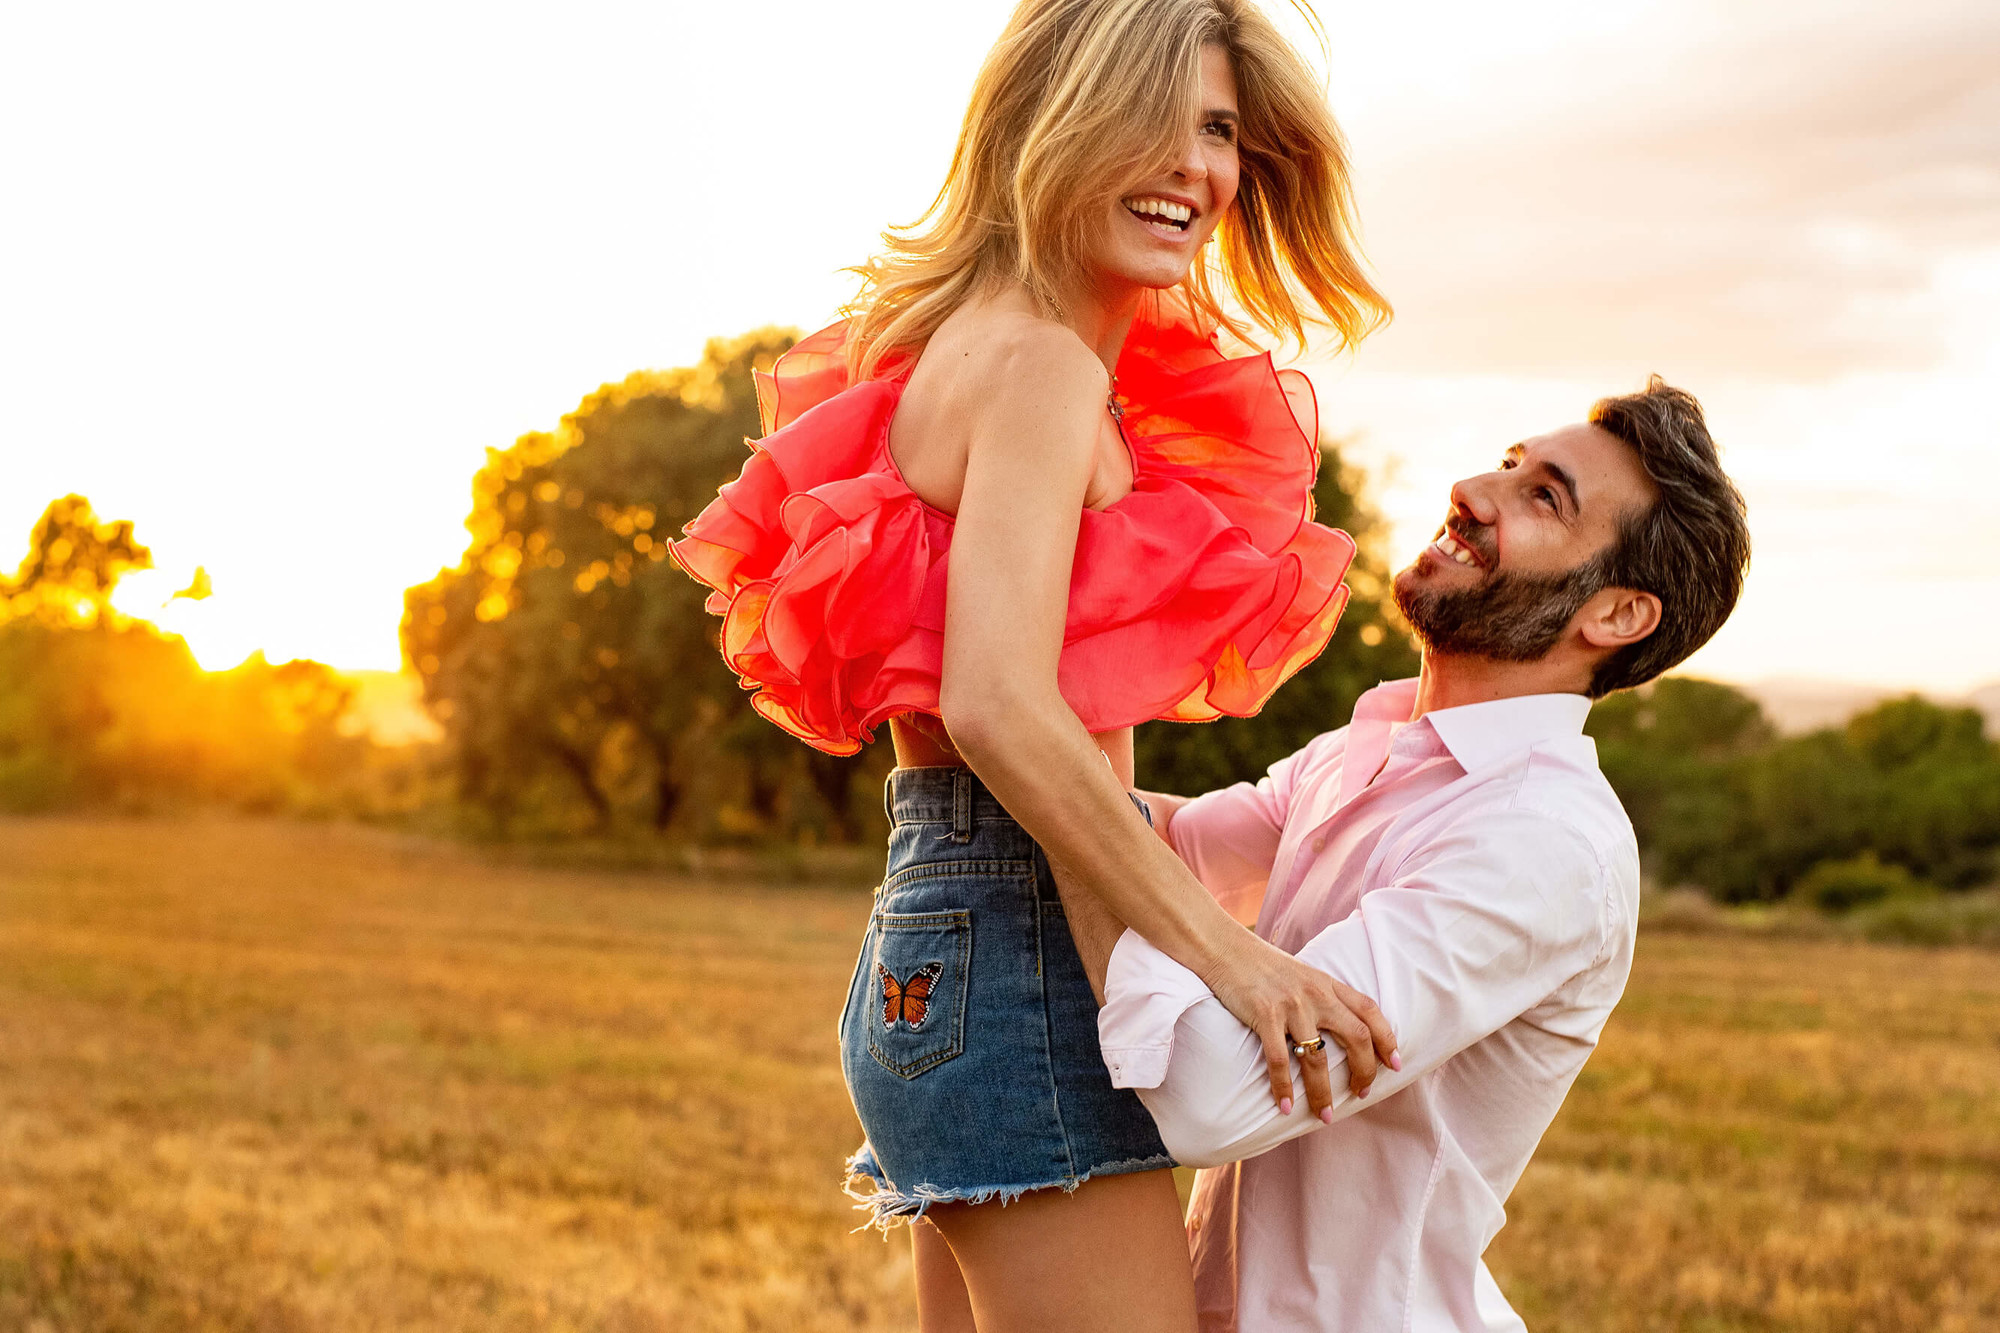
(1689, 548)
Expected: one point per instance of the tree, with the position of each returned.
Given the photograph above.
(1660, 747)
(565, 643)
(100, 709)
(1937, 808)
(1719, 800)
(74, 562)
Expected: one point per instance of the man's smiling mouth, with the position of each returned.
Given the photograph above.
(1453, 549)
(1162, 214)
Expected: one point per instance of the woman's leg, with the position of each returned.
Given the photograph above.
(1111, 1257)
(942, 1303)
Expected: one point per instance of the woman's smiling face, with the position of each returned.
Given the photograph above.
(1153, 232)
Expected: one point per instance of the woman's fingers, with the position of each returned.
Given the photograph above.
(1319, 1082)
(1302, 1003)
(1383, 1039)
(1278, 1061)
(1359, 1043)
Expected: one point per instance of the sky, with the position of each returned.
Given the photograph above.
(273, 278)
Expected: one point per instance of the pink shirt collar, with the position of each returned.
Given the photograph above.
(1476, 734)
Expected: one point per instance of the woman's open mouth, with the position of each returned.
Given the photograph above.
(1162, 215)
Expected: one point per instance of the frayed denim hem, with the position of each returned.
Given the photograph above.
(887, 1206)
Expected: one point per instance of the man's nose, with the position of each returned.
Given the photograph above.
(1473, 498)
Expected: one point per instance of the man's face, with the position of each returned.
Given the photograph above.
(1518, 553)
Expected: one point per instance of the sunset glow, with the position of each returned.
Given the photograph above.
(276, 278)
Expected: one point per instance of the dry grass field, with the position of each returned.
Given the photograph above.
(282, 1077)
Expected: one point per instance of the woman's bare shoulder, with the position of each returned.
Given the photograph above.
(994, 356)
(1025, 386)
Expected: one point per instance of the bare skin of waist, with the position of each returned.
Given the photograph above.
(922, 742)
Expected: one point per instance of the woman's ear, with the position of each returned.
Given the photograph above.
(1616, 617)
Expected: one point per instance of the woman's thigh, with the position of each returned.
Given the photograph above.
(1109, 1257)
(942, 1303)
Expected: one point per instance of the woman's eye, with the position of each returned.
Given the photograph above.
(1223, 128)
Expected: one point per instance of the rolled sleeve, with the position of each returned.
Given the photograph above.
(1145, 994)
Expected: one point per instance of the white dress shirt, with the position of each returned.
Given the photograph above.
(1472, 872)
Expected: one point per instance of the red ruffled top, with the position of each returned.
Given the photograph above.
(1193, 597)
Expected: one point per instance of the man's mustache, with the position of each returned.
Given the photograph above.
(1476, 537)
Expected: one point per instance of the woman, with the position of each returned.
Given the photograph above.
(1013, 506)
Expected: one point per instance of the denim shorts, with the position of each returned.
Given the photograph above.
(969, 1041)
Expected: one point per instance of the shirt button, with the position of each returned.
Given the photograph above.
(1319, 844)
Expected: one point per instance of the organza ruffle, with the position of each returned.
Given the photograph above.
(1191, 598)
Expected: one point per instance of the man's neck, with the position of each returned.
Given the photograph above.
(1453, 682)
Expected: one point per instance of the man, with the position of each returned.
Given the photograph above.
(1454, 854)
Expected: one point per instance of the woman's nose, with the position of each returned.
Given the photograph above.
(1193, 165)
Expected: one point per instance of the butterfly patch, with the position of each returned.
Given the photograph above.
(908, 1001)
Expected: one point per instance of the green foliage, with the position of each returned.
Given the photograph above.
(1967, 919)
(1860, 881)
(98, 710)
(571, 662)
(73, 563)
(1658, 747)
(116, 714)
(1372, 645)
(1719, 801)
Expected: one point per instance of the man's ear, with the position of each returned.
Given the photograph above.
(1616, 617)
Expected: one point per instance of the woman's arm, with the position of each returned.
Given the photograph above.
(1480, 926)
(1037, 404)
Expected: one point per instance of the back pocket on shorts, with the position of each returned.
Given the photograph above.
(916, 989)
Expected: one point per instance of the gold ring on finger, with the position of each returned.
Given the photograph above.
(1301, 1048)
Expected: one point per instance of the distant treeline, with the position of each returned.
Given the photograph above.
(1720, 802)
(575, 675)
(103, 711)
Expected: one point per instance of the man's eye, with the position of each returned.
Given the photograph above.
(1546, 496)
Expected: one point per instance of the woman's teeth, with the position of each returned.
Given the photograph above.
(1451, 547)
(1160, 212)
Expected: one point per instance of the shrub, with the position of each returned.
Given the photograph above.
(1960, 918)
(1842, 886)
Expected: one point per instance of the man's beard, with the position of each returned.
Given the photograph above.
(1508, 617)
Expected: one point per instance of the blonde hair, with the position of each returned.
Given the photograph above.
(1081, 97)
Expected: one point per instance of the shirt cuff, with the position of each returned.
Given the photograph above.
(1145, 994)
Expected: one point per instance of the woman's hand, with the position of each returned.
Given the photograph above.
(1284, 1001)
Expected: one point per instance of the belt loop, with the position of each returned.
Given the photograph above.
(889, 798)
(961, 805)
